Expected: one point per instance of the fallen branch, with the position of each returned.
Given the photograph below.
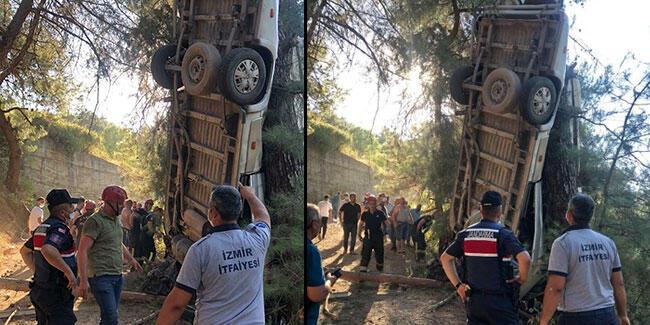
(390, 278)
(11, 316)
(146, 318)
(444, 301)
(23, 285)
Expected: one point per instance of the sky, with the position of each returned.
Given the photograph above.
(609, 28)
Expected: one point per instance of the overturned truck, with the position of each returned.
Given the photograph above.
(219, 73)
(510, 97)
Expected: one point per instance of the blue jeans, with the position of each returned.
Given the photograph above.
(107, 290)
(604, 316)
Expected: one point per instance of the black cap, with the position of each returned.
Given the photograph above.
(491, 199)
(60, 196)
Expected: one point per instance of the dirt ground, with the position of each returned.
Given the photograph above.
(374, 303)
(87, 312)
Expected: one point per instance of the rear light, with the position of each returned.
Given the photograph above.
(253, 145)
(272, 13)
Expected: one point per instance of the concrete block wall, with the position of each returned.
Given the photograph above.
(336, 172)
(81, 173)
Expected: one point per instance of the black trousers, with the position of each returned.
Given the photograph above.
(420, 245)
(53, 305)
(323, 226)
(369, 244)
(488, 309)
(349, 229)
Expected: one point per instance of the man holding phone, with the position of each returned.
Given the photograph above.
(225, 268)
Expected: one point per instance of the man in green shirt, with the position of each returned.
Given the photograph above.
(101, 253)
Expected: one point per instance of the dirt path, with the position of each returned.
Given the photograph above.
(374, 303)
(87, 312)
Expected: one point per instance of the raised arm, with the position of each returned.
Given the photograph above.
(257, 206)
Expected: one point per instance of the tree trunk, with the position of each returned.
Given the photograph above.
(391, 278)
(560, 169)
(281, 167)
(15, 153)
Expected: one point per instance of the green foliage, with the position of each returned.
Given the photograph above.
(70, 136)
(286, 139)
(325, 137)
(285, 266)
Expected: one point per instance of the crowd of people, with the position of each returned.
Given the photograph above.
(85, 246)
(584, 285)
(140, 222)
(375, 220)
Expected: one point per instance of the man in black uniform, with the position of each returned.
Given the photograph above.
(489, 285)
(55, 262)
(370, 226)
(350, 216)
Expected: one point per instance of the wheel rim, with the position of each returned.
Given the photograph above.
(197, 69)
(247, 75)
(498, 91)
(542, 101)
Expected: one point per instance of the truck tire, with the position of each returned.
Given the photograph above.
(538, 99)
(199, 68)
(242, 76)
(163, 77)
(458, 93)
(501, 90)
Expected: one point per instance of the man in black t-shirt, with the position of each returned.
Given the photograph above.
(350, 215)
(371, 226)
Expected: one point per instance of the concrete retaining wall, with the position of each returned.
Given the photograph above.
(82, 173)
(333, 172)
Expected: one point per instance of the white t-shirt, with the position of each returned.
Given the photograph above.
(324, 208)
(35, 218)
(225, 270)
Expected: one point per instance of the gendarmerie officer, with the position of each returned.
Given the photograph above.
(55, 263)
(486, 249)
(371, 225)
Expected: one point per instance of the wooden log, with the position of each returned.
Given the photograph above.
(10, 317)
(27, 313)
(390, 278)
(23, 285)
(145, 319)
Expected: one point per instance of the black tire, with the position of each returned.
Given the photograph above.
(163, 77)
(458, 93)
(199, 68)
(538, 100)
(247, 90)
(501, 90)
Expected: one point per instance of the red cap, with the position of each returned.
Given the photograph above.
(90, 205)
(114, 193)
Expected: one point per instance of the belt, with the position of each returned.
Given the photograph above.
(600, 311)
(485, 292)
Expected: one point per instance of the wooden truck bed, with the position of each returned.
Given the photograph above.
(498, 151)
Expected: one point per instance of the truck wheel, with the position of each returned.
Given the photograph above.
(501, 90)
(162, 76)
(458, 93)
(242, 76)
(199, 68)
(538, 100)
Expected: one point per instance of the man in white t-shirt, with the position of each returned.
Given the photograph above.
(36, 215)
(224, 269)
(325, 211)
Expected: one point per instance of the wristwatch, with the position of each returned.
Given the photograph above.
(458, 284)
